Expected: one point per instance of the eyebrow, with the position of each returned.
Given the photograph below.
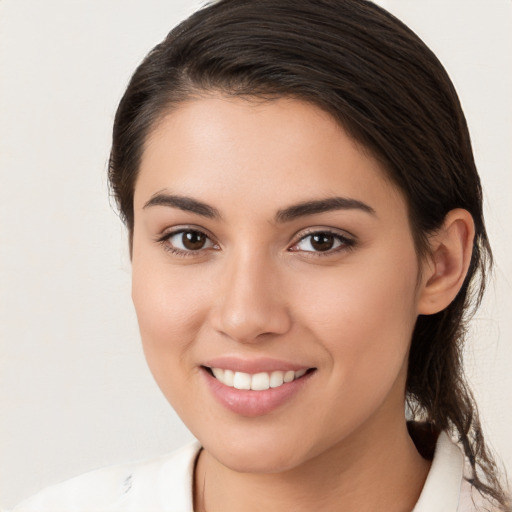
(284, 215)
(183, 203)
(321, 206)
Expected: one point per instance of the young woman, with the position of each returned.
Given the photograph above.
(307, 241)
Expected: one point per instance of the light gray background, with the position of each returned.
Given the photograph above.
(75, 393)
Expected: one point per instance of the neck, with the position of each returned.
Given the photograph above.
(374, 469)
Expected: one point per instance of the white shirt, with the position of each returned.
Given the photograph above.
(165, 484)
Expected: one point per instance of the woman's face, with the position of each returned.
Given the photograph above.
(267, 247)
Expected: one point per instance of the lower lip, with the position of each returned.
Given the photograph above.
(254, 403)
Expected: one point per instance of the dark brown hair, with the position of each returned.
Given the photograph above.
(389, 92)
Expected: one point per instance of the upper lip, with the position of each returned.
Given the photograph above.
(253, 365)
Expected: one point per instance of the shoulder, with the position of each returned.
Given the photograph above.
(163, 484)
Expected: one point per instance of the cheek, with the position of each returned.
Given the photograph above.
(169, 318)
(159, 313)
(169, 307)
(364, 316)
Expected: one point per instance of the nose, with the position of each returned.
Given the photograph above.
(250, 304)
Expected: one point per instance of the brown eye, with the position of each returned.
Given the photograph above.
(189, 240)
(322, 241)
(193, 240)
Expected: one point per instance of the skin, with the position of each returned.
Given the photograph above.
(258, 288)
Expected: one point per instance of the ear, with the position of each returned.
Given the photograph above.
(445, 268)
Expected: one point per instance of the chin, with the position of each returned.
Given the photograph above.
(257, 453)
(260, 462)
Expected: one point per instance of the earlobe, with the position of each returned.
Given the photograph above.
(447, 265)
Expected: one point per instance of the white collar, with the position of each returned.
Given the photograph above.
(441, 492)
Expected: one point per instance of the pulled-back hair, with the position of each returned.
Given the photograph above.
(389, 92)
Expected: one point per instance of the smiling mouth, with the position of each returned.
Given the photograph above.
(261, 381)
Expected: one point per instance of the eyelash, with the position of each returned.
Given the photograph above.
(346, 243)
(164, 241)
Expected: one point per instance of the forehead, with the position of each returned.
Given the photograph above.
(238, 151)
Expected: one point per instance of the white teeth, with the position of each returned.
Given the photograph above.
(258, 381)
(219, 373)
(300, 373)
(242, 381)
(289, 376)
(276, 379)
(229, 378)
